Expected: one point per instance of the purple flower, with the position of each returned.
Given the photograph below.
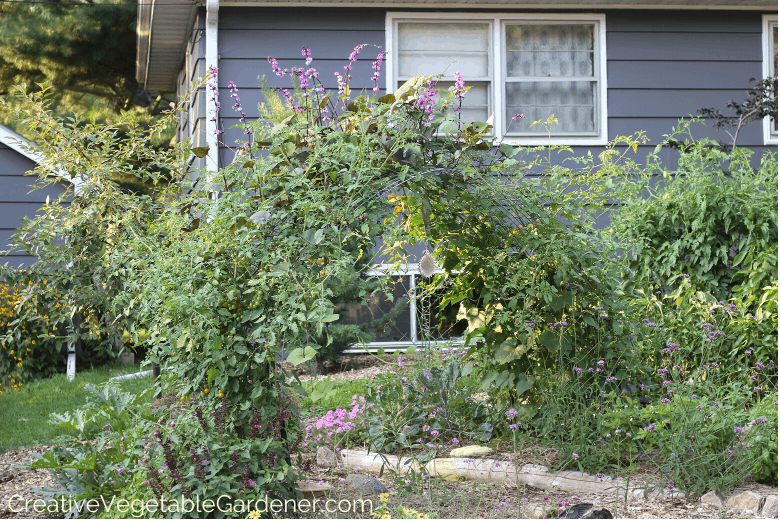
(511, 413)
(578, 370)
(575, 456)
(455, 441)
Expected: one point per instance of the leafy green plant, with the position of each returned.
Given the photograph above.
(73, 235)
(721, 228)
(429, 410)
(674, 314)
(110, 439)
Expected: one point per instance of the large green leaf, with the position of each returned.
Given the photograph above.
(301, 355)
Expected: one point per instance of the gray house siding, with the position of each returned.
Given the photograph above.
(192, 123)
(661, 65)
(17, 201)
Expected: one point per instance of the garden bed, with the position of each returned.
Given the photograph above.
(441, 499)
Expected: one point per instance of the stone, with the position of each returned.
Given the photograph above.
(325, 457)
(313, 489)
(712, 499)
(368, 485)
(358, 460)
(770, 507)
(746, 500)
(470, 451)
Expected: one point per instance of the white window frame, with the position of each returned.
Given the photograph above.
(497, 24)
(407, 270)
(768, 21)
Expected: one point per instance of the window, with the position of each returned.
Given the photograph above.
(770, 70)
(413, 321)
(535, 65)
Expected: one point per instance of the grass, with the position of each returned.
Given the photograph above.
(37, 400)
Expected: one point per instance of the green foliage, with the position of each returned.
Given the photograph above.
(73, 234)
(684, 317)
(116, 421)
(430, 409)
(85, 53)
(30, 408)
(535, 284)
(204, 454)
(719, 227)
(763, 451)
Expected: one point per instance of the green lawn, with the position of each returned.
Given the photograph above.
(38, 399)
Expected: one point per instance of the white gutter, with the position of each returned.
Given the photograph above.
(468, 4)
(212, 62)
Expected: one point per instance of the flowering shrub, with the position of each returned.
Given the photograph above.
(708, 422)
(206, 453)
(31, 348)
(675, 315)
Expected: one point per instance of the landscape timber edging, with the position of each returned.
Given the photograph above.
(496, 471)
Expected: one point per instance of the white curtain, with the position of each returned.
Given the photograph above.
(552, 53)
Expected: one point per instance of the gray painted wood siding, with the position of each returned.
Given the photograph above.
(18, 201)
(661, 65)
(192, 122)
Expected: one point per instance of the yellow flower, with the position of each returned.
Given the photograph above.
(18, 364)
(33, 342)
(383, 497)
(255, 514)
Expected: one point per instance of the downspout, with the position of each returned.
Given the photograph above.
(212, 112)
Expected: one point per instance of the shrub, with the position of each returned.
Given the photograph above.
(72, 235)
(719, 227)
(36, 348)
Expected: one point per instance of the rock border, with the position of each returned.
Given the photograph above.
(502, 472)
(499, 472)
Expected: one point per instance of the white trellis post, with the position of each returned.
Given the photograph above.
(71, 368)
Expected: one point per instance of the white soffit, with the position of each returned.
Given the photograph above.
(162, 31)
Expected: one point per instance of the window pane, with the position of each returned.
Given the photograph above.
(572, 102)
(377, 313)
(430, 48)
(476, 104)
(549, 51)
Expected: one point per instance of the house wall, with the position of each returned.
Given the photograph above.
(16, 201)
(192, 123)
(661, 65)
